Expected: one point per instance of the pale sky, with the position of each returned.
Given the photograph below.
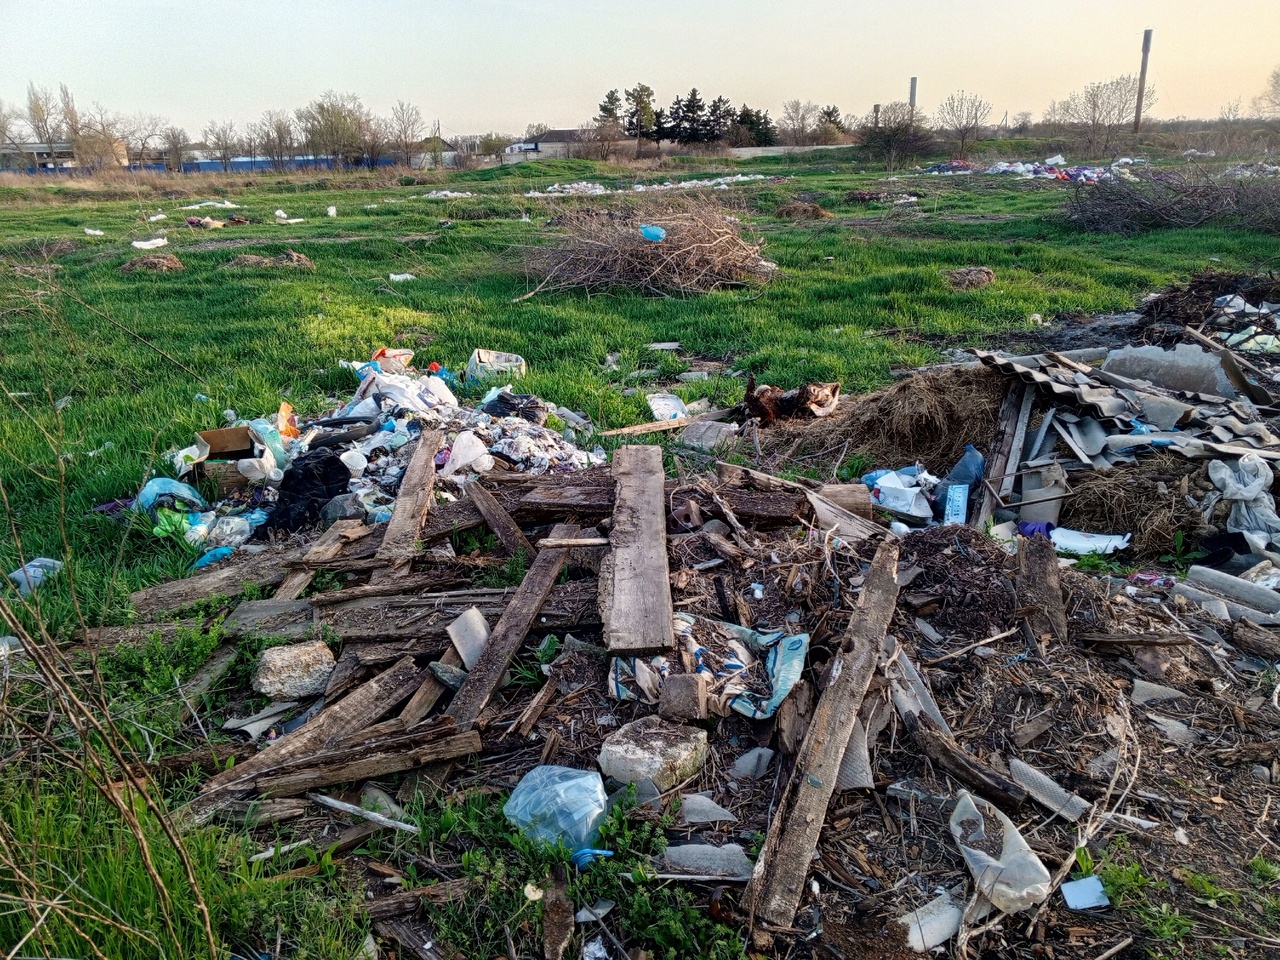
(480, 65)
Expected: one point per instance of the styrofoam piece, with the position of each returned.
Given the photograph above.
(1046, 791)
(933, 924)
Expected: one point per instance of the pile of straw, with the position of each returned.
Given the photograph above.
(704, 250)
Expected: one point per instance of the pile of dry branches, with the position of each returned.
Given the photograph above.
(599, 250)
(1154, 199)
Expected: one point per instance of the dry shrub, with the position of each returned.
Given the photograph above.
(153, 263)
(290, 258)
(928, 417)
(1153, 199)
(1192, 303)
(600, 250)
(971, 278)
(1143, 499)
(801, 211)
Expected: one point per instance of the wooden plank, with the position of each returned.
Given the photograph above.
(773, 894)
(363, 706)
(1039, 590)
(1001, 449)
(509, 633)
(408, 901)
(417, 491)
(414, 939)
(324, 550)
(635, 589)
(500, 522)
(429, 691)
(351, 764)
(1018, 443)
(829, 514)
(661, 426)
(227, 579)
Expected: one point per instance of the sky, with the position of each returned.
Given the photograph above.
(480, 65)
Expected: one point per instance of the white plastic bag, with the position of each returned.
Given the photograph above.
(468, 453)
(1014, 881)
(1254, 511)
(899, 494)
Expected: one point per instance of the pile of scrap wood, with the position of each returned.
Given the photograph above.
(936, 685)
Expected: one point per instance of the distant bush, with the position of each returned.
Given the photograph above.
(1154, 199)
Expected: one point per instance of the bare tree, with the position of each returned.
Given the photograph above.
(1267, 103)
(221, 140)
(100, 143)
(1101, 111)
(598, 139)
(330, 126)
(72, 128)
(534, 130)
(960, 118)
(374, 135)
(138, 132)
(407, 130)
(277, 138)
(175, 142)
(798, 123)
(1021, 122)
(250, 144)
(42, 115)
(896, 135)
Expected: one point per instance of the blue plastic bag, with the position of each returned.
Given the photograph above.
(652, 233)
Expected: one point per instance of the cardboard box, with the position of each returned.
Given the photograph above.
(225, 447)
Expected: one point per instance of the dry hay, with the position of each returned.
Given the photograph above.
(40, 270)
(290, 258)
(1155, 199)
(153, 263)
(970, 278)
(928, 417)
(1145, 499)
(801, 211)
(597, 251)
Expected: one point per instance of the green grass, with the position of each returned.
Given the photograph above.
(253, 337)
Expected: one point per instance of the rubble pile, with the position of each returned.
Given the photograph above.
(871, 718)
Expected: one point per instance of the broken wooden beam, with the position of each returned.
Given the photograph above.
(773, 895)
(499, 521)
(635, 589)
(417, 492)
(828, 514)
(509, 633)
(969, 770)
(324, 550)
(226, 579)
(1009, 425)
(1039, 590)
(661, 426)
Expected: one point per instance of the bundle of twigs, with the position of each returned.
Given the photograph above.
(1151, 200)
(703, 249)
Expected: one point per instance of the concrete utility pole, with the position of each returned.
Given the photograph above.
(875, 110)
(1142, 79)
(911, 99)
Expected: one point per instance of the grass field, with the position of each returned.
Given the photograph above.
(104, 371)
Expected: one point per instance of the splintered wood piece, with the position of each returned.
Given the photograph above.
(970, 771)
(431, 690)
(500, 522)
(1009, 424)
(829, 514)
(1040, 590)
(509, 633)
(407, 901)
(417, 491)
(635, 592)
(322, 551)
(228, 579)
(773, 894)
(415, 940)
(360, 708)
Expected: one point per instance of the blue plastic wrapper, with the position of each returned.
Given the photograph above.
(559, 804)
(652, 233)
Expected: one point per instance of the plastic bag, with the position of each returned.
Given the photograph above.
(966, 474)
(163, 492)
(266, 434)
(1014, 881)
(32, 574)
(1254, 511)
(559, 804)
(468, 453)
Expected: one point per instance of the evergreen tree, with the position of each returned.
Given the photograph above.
(720, 116)
(611, 107)
(831, 115)
(687, 119)
(641, 118)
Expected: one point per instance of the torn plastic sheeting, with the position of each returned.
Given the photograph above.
(150, 244)
(902, 495)
(1014, 881)
(666, 406)
(491, 363)
(633, 678)
(1079, 542)
(1045, 791)
(559, 804)
(1253, 512)
(783, 657)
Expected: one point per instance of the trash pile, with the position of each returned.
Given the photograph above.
(589, 188)
(282, 475)
(1054, 168)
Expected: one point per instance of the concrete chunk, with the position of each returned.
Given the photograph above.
(650, 748)
(684, 697)
(294, 671)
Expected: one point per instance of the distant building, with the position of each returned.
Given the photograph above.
(430, 149)
(50, 157)
(551, 145)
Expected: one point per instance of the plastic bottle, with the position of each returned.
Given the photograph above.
(265, 433)
(967, 472)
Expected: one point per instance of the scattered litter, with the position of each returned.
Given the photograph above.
(33, 573)
(90, 231)
(559, 805)
(666, 406)
(150, 244)
(1085, 894)
(1015, 879)
(157, 216)
(225, 204)
(400, 277)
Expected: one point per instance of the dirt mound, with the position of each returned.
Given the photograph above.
(971, 278)
(290, 258)
(801, 211)
(153, 263)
